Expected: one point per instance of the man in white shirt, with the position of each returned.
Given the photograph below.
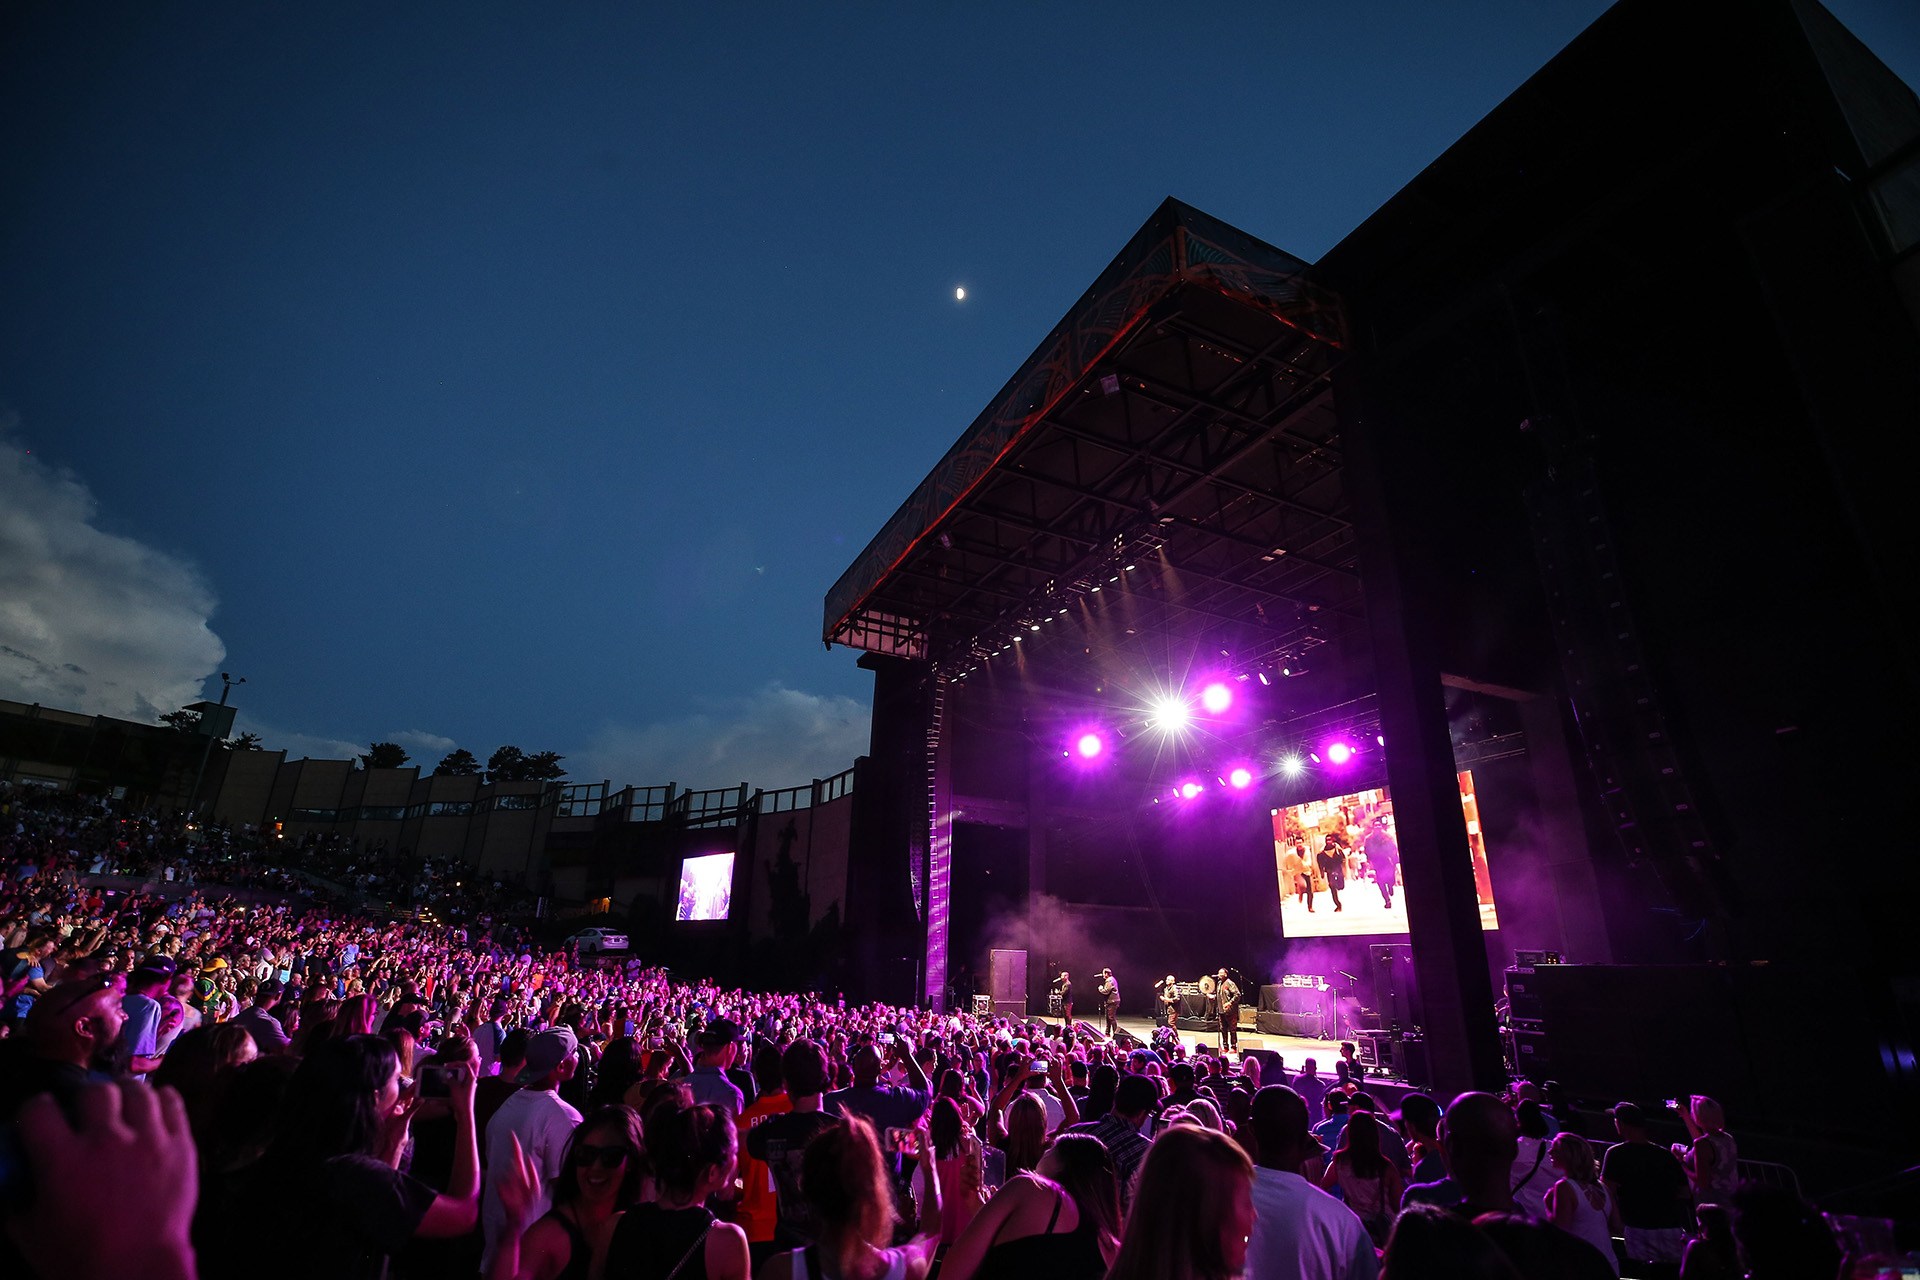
(537, 1116)
(1299, 1231)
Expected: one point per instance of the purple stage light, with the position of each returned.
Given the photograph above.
(1089, 746)
(1188, 790)
(1338, 753)
(1241, 778)
(1216, 698)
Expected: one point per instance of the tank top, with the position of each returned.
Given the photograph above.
(579, 1251)
(651, 1242)
(1051, 1255)
(1589, 1223)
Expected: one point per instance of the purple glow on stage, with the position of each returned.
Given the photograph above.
(1241, 778)
(1338, 753)
(1216, 698)
(1089, 746)
(1188, 790)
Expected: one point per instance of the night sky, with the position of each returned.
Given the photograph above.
(526, 373)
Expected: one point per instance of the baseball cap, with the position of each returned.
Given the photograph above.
(721, 1031)
(546, 1051)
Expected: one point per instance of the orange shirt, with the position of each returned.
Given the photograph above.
(757, 1213)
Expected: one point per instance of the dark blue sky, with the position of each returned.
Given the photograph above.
(527, 372)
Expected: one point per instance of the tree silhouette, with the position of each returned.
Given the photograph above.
(510, 764)
(458, 763)
(245, 742)
(383, 755)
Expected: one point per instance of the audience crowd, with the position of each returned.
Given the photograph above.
(239, 1069)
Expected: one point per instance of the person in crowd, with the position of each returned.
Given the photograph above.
(327, 1199)
(619, 1068)
(600, 1178)
(1299, 1231)
(1712, 1161)
(1419, 1119)
(757, 1212)
(536, 1118)
(962, 1168)
(1061, 1221)
(1311, 1088)
(1193, 1210)
(1102, 1083)
(1430, 1243)
(258, 1020)
(1361, 1108)
(845, 1179)
(1650, 1187)
(1122, 1129)
(692, 1153)
(1368, 1181)
(1532, 1175)
(719, 1046)
(1481, 1139)
(199, 1066)
(781, 1142)
(139, 1051)
(1541, 1251)
(1024, 1137)
(1712, 1253)
(1579, 1203)
(497, 1088)
(71, 1028)
(1329, 1130)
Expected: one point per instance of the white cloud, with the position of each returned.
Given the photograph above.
(310, 746)
(92, 621)
(774, 737)
(420, 743)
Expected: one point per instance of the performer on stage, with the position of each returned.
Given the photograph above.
(1166, 994)
(1063, 987)
(1226, 994)
(1109, 993)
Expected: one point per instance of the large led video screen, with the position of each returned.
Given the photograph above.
(706, 887)
(1338, 862)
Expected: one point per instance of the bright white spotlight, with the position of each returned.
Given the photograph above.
(1216, 698)
(1241, 778)
(1188, 790)
(1339, 753)
(1170, 714)
(1292, 765)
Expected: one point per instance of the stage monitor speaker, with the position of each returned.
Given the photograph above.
(1375, 1049)
(1523, 997)
(1415, 1067)
(983, 1005)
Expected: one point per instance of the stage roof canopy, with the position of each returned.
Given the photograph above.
(1164, 471)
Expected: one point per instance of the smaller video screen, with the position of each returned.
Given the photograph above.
(706, 887)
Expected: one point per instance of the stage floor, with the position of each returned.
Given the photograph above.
(1292, 1049)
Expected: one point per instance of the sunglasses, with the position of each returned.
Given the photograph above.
(605, 1157)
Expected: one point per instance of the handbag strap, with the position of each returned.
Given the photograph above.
(687, 1257)
(1538, 1157)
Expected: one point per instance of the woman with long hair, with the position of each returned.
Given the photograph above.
(845, 1179)
(1432, 1243)
(619, 1071)
(1531, 1174)
(1365, 1178)
(962, 1172)
(600, 1177)
(1061, 1221)
(691, 1152)
(1025, 1138)
(327, 1199)
(1192, 1210)
(199, 1065)
(1580, 1203)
